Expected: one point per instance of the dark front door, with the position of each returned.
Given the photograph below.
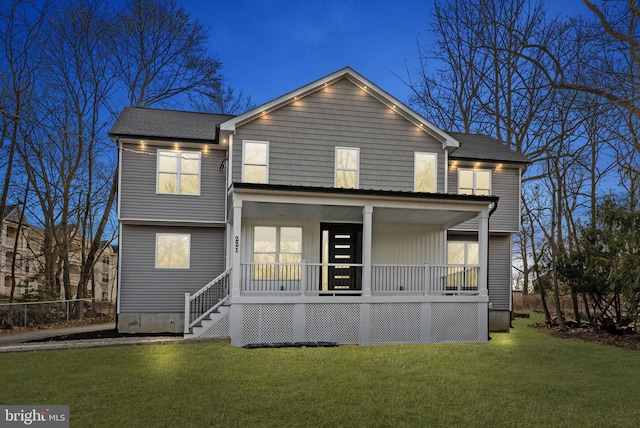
(341, 249)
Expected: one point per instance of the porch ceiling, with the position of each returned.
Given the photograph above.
(286, 211)
(332, 213)
(290, 202)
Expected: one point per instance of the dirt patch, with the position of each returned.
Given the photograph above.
(103, 334)
(626, 340)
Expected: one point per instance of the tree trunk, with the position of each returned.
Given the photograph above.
(576, 306)
(545, 307)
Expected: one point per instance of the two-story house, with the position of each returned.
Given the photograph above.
(332, 213)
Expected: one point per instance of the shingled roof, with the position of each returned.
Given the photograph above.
(484, 147)
(143, 123)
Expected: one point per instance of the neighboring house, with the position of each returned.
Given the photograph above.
(333, 213)
(24, 241)
(27, 242)
(105, 274)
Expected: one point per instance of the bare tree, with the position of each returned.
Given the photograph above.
(451, 96)
(20, 35)
(494, 60)
(483, 83)
(66, 68)
(620, 22)
(221, 99)
(160, 52)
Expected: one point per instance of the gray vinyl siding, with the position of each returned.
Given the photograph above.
(500, 271)
(303, 135)
(505, 183)
(407, 244)
(143, 288)
(400, 244)
(139, 200)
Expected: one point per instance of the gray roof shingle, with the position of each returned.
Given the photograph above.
(484, 147)
(139, 122)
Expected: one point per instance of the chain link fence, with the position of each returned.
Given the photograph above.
(32, 314)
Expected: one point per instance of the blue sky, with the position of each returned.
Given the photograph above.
(271, 47)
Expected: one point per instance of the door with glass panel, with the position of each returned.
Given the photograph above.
(341, 249)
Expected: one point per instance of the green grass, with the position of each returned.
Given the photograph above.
(518, 379)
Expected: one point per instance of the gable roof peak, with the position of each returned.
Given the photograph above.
(360, 81)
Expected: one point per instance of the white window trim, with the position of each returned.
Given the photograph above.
(335, 165)
(435, 171)
(277, 251)
(474, 170)
(188, 235)
(178, 152)
(244, 143)
(466, 252)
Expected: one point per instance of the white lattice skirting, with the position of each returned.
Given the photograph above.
(359, 323)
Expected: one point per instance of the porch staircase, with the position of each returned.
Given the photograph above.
(215, 325)
(207, 310)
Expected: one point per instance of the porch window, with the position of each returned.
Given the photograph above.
(178, 172)
(474, 182)
(255, 161)
(173, 250)
(347, 165)
(461, 256)
(279, 247)
(425, 170)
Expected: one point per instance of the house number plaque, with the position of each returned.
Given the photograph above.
(237, 244)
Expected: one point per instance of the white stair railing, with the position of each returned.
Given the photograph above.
(206, 300)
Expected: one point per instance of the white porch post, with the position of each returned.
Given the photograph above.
(483, 252)
(235, 247)
(367, 219)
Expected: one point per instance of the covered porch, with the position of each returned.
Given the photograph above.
(350, 266)
(309, 242)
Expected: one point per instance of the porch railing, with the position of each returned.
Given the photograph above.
(453, 279)
(394, 279)
(206, 300)
(314, 279)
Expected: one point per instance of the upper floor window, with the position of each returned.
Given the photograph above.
(255, 161)
(474, 182)
(347, 166)
(173, 250)
(105, 276)
(178, 172)
(425, 168)
(105, 260)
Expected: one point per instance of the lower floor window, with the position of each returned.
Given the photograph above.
(173, 250)
(279, 247)
(462, 261)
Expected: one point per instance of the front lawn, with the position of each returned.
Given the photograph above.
(523, 378)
